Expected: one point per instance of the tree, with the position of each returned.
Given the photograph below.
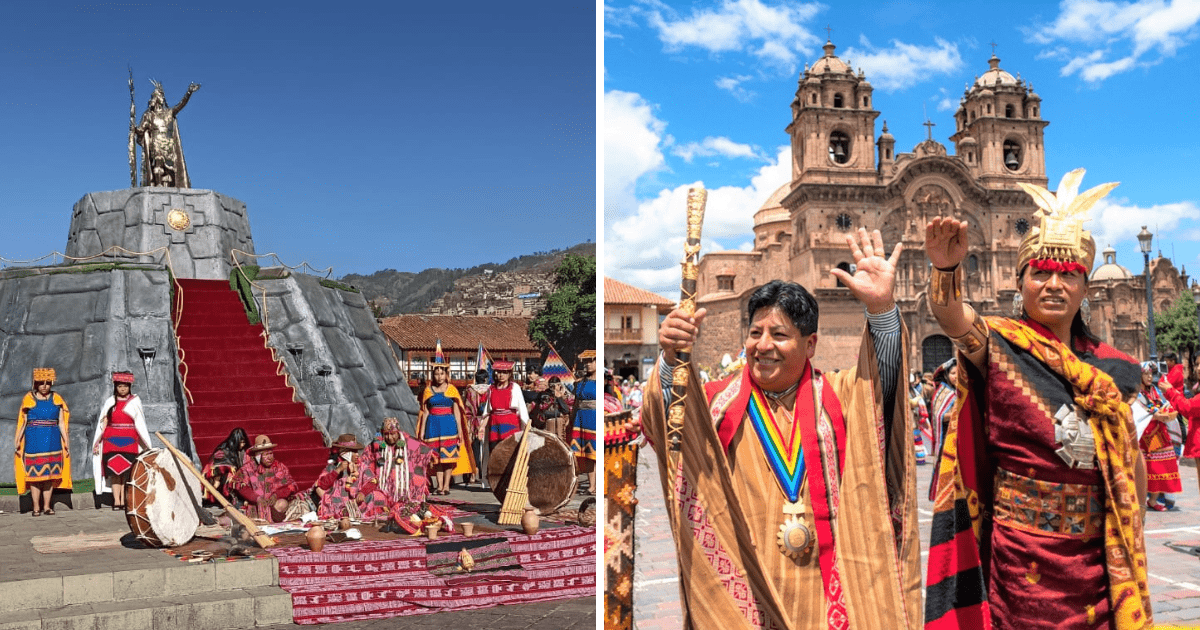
(568, 321)
(1176, 328)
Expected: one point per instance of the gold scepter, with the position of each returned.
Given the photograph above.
(696, 199)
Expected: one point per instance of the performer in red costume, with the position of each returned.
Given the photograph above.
(1037, 518)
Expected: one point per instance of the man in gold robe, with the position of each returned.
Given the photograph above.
(793, 502)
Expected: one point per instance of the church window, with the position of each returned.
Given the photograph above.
(972, 115)
(889, 154)
(1035, 112)
(866, 102)
(1008, 111)
(989, 108)
(814, 98)
(848, 268)
(970, 157)
(724, 283)
(839, 147)
(972, 264)
(1012, 155)
(837, 101)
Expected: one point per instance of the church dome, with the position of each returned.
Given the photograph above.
(995, 76)
(1110, 270)
(830, 63)
(773, 210)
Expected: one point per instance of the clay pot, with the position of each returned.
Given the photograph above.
(530, 521)
(468, 529)
(432, 531)
(316, 537)
(344, 524)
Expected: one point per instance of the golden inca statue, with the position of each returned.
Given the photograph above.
(158, 135)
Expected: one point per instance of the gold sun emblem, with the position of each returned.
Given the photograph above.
(178, 219)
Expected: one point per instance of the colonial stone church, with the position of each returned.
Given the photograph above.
(845, 177)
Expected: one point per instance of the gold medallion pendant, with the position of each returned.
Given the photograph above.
(794, 537)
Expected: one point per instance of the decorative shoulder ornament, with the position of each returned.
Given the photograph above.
(1057, 240)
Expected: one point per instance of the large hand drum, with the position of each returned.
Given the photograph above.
(161, 512)
(551, 470)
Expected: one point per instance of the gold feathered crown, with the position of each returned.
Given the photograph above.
(1057, 232)
(44, 374)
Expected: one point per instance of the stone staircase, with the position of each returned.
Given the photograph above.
(235, 381)
(210, 595)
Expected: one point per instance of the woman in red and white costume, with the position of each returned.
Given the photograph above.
(120, 436)
(1152, 413)
(505, 407)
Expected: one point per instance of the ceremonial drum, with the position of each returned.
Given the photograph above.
(161, 512)
(551, 469)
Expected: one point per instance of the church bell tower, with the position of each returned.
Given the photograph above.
(833, 124)
(999, 130)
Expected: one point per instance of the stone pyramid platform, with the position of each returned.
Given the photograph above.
(124, 587)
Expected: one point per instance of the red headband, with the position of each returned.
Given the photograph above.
(1048, 264)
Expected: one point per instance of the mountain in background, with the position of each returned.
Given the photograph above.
(398, 292)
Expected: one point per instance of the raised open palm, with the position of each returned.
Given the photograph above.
(874, 279)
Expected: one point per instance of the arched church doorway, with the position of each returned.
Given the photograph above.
(935, 350)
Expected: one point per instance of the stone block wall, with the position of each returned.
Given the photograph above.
(87, 324)
(339, 360)
(205, 228)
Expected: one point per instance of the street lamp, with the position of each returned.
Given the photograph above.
(1144, 240)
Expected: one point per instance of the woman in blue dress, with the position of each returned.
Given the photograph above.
(583, 424)
(439, 425)
(43, 455)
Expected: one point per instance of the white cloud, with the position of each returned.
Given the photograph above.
(1102, 38)
(945, 102)
(632, 139)
(733, 85)
(644, 249)
(711, 146)
(1115, 220)
(773, 33)
(903, 65)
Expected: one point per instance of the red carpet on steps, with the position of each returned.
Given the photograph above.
(233, 381)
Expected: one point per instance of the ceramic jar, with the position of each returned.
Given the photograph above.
(316, 537)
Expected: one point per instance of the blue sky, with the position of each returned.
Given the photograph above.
(700, 93)
(360, 135)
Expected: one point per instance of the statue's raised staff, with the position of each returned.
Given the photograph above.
(158, 135)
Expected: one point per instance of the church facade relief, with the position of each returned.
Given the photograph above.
(844, 177)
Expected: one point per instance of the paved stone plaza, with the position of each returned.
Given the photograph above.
(1174, 575)
(146, 588)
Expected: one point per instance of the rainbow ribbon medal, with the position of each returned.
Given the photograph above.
(786, 459)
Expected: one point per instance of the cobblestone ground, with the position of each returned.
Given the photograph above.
(1174, 573)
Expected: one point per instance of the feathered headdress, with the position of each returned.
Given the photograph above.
(1057, 235)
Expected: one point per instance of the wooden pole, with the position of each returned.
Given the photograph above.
(262, 539)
